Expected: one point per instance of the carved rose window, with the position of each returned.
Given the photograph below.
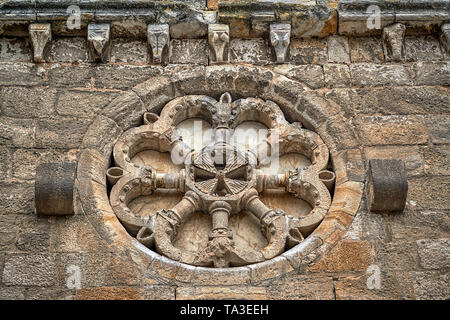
(220, 183)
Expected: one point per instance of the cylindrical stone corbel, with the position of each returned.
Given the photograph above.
(54, 188)
(387, 185)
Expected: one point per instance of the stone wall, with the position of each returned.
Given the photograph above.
(398, 110)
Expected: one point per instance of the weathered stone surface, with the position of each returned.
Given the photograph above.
(348, 255)
(311, 75)
(27, 103)
(366, 49)
(391, 100)
(366, 74)
(122, 77)
(393, 42)
(438, 128)
(71, 76)
(124, 50)
(94, 139)
(60, 134)
(12, 293)
(159, 292)
(432, 73)
(425, 48)
(308, 51)
(5, 161)
(15, 50)
(17, 198)
(30, 270)
(82, 103)
(338, 49)
(429, 192)
(188, 51)
(397, 130)
(25, 160)
(219, 293)
(21, 74)
(70, 49)
(337, 75)
(254, 51)
(398, 255)
(109, 293)
(436, 159)
(434, 254)
(302, 287)
(431, 286)
(410, 155)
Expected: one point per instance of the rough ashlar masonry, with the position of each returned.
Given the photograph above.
(382, 93)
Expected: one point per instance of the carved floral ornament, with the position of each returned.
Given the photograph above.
(224, 169)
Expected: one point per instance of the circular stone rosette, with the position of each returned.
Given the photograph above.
(193, 199)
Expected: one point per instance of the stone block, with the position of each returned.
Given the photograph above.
(5, 162)
(348, 255)
(17, 198)
(27, 103)
(95, 137)
(21, 74)
(438, 127)
(431, 286)
(337, 75)
(70, 76)
(410, 155)
(159, 292)
(338, 49)
(366, 49)
(396, 130)
(437, 159)
(109, 293)
(252, 51)
(83, 103)
(188, 51)
(302, 287)
(422, 48)
(63, 133)
(123, 77)
(15, 50)
(367, 74)
(30, 270)
(429, 193)
(68, 49)
(311, 75)
(17, 132)
(126, 110)
(432, 73)
(220, 293)
(126, 51)
(308, 51)
(434, 253)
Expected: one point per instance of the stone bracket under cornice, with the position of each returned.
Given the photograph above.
(246, 19)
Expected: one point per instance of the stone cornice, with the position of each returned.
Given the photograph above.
(247, 19)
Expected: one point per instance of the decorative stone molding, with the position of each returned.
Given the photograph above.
(99, 41)
(357, 17)
(280, 38)
(387, 185)
(40, 35)
(158, 37)
(218, 38)
(94, 161)
(54, 188)
(445, 36)
(394, 42)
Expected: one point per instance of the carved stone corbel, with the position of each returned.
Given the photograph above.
(280, 38)
(219, 38)
(393, 42)
(99, 41)
(40, 35)
(158, 38)
(445, 36)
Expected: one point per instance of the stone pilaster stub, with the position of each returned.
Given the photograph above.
(445, 36)
(394, 42)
